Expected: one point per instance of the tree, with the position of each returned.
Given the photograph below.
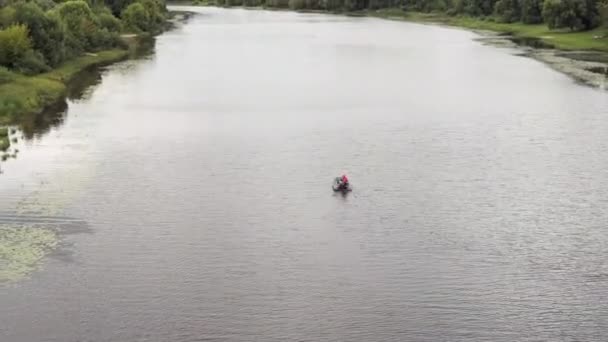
(573, 14)
(80, 22)
(117, 6)
(156, 14)
(297, 4)
(14, 44)
(7, 16)
(478, 8)
(109, 22)
(135, 17)
(46, 32)
(531, 11)
(507, 11)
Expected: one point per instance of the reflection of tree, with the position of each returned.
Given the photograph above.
(36, 125)
(77, 88)
(144, 47)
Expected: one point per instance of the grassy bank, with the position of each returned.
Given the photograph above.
(21, 95)
(596, 39)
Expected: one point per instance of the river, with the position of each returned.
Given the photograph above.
(187, 193)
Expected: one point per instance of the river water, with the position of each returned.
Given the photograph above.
(189, 194)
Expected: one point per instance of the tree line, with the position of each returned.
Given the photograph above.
(570, 14)
(38, 35)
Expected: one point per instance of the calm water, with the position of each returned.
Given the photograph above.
(190, 191)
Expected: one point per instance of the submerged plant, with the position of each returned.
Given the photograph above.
(22, 249)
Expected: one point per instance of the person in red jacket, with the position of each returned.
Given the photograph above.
(344, 180)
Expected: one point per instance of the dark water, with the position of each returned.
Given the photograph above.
(191, 192)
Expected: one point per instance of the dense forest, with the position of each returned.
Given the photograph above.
(557, 14)
(38, 35)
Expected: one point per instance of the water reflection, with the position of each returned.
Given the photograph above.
(80, 88)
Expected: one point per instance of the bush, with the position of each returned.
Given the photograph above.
(109, 22)
(331, 5)
(573, 14)
(507, 11)
(253, 3)
(81, 24)
(277, 3)
(31, 63)
(297, 4)
(157, 14)
(7, 16)
(135, 17)
(531, 11)
(46, 33)
(6, 76)
(103, 39)
(603, 12)
(14, 44)
(117, 6)
(45, 5)
(477, 8)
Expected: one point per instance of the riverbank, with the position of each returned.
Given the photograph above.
(580, 55)
(594, 40)
(23, 95)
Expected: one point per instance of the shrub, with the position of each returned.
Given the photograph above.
(296, 4)
(507, 11)
(45, 32)
(45, 5)
(7, 16)
(103, 38)
(109, 22)
(6, 76)
(117, 6)
(31, 63)
(81, 24)
(135, 17)
(277, 3)
(531, 11)
(573, 14)
(14, 44)
(157, 14)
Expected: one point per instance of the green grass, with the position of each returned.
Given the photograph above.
(561, 39)
(3, 132)
(31, 94)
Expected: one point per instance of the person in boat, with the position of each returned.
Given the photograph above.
(344, 180)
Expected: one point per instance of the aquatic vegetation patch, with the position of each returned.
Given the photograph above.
(22, 249)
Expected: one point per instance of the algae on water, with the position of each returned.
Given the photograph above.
(22, 249)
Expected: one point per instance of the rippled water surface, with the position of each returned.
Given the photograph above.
(187, 195)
